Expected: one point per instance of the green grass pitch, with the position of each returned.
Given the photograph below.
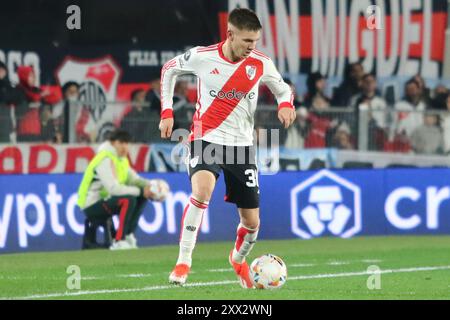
(325, 268)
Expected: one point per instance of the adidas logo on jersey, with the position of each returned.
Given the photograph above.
(214, 71)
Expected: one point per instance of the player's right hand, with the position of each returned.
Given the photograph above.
(156, 190)
(166, 126)
(147, 192)
(286, 116)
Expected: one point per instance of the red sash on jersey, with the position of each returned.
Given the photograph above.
(242, 80)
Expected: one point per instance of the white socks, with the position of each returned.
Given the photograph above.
(245, 241)
(190, 224)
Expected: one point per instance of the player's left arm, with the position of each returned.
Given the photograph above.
(281, 91)
(134, 179)
(186, 63)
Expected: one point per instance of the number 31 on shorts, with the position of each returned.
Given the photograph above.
(252, 178)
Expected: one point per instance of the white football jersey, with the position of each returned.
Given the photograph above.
(227, 92)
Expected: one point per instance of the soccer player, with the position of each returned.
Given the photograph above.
(228, 76)
(110, 186)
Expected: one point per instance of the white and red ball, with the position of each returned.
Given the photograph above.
(268, 272)
(159, 188)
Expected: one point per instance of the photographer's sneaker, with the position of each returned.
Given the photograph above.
(179, 274)
(120, 245)
(242, 270)
(131, 239)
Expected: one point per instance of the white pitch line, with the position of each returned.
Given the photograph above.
(220, 270)
(106, 291)
(337, 263)
(91, 278)
(362, 273)
(135, 275)
(371, 260)
(130, 275)
(215, 283)
(301, 265)
(147, 275)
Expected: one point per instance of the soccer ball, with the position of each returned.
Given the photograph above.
(268, 272)
(159, 189)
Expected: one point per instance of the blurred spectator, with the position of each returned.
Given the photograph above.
(297, 100)
(427, 138)
(153, 96)
(350, 85)
(440, 101)
(316, 84)
(372, 112)
(443, 103)
(265, 121)
(319, 130)
(30, 99)
(440, 89)
(48, 128)
(409, 113)
(319, 104)
(71, 91)
(321, 119)
(7, 117)
(342, 138)
(27, 110)
(66, 110)
(297, 132)
(369, 100)
(425, 92)
(183, 111)
(138, 122)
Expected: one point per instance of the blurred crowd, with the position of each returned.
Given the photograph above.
(356, 116)
(29, 113)
(25, 109)
(142, 118)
